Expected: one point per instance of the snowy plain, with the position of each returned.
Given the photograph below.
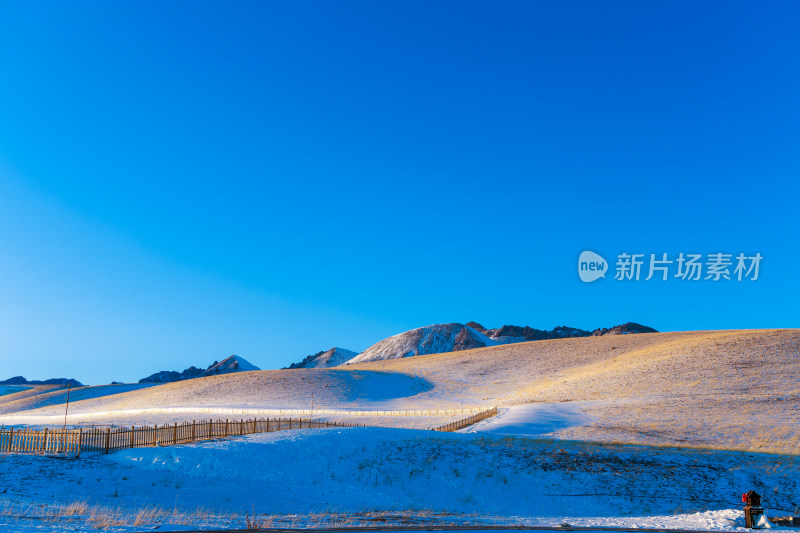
(318, 477)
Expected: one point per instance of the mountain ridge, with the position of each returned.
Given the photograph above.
(19, 380)
(233, 363)
(507, 334)
(454, 336)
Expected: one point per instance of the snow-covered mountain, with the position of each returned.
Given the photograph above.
(436, 338)
(325, 359)
(440, 338)
(234, 363)
(452, 337)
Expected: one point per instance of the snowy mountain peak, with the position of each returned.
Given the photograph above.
(234, 363)
(436, 338)
(326, 359)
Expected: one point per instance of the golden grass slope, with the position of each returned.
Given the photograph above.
(732, 389)
(57, 396)
(34, 390)
(623, 366)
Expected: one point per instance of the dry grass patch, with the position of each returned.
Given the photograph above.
(102, 517)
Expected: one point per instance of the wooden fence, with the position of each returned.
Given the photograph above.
(464, 422)
(106, 440)
(48, 441)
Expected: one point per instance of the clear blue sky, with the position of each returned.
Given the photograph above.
(184, 181)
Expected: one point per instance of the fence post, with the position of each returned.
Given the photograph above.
(10, 439)
(44, 442)
(226, 427)
(133, 433)
(194, 422)
(108, 438)
(80, 441)
(175, 434)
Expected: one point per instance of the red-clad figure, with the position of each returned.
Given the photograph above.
(753, 509)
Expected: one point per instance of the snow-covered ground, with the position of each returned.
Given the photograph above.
(314, 477)
(532, 420)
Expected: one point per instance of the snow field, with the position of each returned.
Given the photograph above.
(532, 420)
(392, 470)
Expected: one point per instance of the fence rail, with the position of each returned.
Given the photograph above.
(238, 411)
(464, 422)
(106, 440)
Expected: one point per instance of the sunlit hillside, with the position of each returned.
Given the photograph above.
(729, 389)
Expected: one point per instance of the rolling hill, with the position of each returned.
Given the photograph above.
(735, 389)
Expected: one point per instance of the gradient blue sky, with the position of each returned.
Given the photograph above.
(184, 181)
